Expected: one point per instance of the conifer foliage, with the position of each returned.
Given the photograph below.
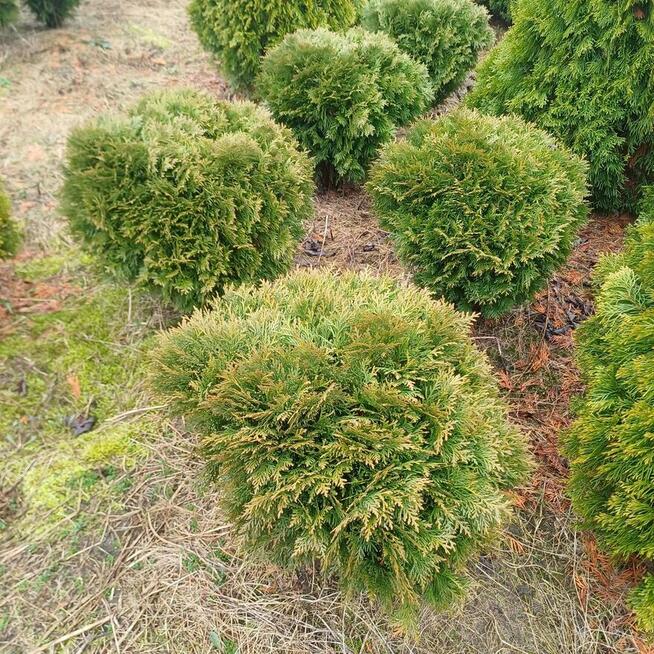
(9, 234)
(351, 421)
(483, 209)
(187, 194)
(445, 35)
(611, 443)
(499, 8)
(52, 13)
(239, 32)
(8, 12)
(343, 95)
(581, 70)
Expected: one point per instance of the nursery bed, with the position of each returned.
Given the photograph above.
(122, 548)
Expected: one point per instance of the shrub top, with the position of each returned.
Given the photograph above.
(350, 420)
(343, 95)
(445, 35)
(9, 234)
(240, 31)
(581, 70)
(187, 194)
(483, 209)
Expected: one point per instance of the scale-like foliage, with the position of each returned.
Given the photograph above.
(352, 421)
(343, 95)
(445, 35)
(641, 601)
(483, 209)
(238, 32)
(52, 13)
(582, 70)
(499, 8)
(8, 12)
(188, 194)
(9, 234)
(611, 444)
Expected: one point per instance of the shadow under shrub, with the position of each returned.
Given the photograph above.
(343, 95)
(52, 13)
(9, 233)
(482, 209)
(499, 8)
(351, 421)
(581, 71)
(187, 194)
(445, 35)
(239, 32)
(611, 443)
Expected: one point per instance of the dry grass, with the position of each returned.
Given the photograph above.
(160, 570)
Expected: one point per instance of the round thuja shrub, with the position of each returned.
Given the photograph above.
(582, 71)
(52, 13)
(9, 233)
(239, 32)
(343, 95)
(350, 421)
(482, 209)
(610, 444)
(8, 12)
(187, 194)
(445, 35)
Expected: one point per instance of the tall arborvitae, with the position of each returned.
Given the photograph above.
(582, 69)
(611, 445)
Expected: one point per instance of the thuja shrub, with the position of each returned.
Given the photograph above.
(499, 8)
(52, 13)
(641, 601)
(8, 12)
(343, 95)
(350, 421)
(581, 70)
(482, 209)
(445, 35)
(9, 234)
(611, 442)
(186, 194)
(238, 32)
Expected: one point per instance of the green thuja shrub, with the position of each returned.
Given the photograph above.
(641, 601)
(9, 234)
(582, 71)
(187, 194)
(239, 32)
(52, 13)
(483, 209)
(499, 8)
(343, 95)
(351, 421)
(8, 12)
(445, 35)
(611, 443)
